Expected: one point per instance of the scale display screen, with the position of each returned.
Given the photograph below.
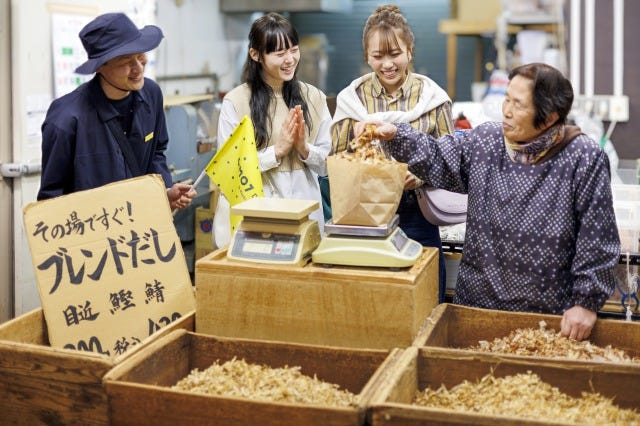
(399, 239)
(265, 246)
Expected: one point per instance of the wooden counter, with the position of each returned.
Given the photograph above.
(340, 306)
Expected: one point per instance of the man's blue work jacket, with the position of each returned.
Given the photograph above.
(79, 151)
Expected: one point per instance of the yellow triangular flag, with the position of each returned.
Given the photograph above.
(235, 167)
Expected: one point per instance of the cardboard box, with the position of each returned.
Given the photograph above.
(139, 389)
(473, 10)
(200, 253)
(40, 384)
(203, 232)
(456, 327)
(419, 368)
(108, 263)
(214, 195)
(338, 306)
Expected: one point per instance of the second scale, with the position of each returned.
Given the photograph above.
(384, 246)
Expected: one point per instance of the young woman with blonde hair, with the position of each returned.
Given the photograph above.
(392, 93)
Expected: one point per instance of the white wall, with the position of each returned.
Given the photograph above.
(199, 39)
(6, 155)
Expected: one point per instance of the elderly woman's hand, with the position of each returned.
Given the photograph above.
(384, 131)
(577, 323)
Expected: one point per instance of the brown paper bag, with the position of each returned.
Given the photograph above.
(364, 193)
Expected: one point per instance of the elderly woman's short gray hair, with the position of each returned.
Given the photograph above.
(552, 91)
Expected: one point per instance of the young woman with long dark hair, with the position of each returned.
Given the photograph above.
(291, 119)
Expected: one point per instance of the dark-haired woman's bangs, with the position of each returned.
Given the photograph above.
(280, 38)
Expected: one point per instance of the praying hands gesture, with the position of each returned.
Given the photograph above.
(292, 135)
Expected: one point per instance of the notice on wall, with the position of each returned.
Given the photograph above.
(109, 265)
(67, 51)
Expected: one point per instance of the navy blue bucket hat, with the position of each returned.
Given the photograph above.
(112, 35)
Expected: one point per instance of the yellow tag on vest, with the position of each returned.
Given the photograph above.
(148, 137)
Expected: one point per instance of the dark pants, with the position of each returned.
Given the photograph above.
(413, 223)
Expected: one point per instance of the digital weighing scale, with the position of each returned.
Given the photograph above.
(274, 230)
(380, 246)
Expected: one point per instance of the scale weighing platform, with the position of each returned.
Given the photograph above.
(275, 231)
(384, 246)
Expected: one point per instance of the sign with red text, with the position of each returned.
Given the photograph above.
(109, 265)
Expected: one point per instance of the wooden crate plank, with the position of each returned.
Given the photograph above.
(136, 398)
(433, 367)
(44, 385)
(455, 326)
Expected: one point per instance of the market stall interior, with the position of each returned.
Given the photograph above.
(353, 305)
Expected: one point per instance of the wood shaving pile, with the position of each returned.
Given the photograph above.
(363, 149)
(545, 342)
(526, 395)
(237, 378)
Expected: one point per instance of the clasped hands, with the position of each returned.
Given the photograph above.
(292, 135)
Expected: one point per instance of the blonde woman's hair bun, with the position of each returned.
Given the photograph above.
(388, 7)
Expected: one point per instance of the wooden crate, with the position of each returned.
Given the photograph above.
(457, 327)
(140, 394)
(40, 384)
(340, 306)
(418, 368)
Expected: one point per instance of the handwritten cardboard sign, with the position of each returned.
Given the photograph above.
(109, 265)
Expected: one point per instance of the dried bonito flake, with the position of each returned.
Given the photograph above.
(545, 342)
(526, 395)
(237, 378)
(364, 149)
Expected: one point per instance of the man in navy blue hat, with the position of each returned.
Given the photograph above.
(112, 127)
